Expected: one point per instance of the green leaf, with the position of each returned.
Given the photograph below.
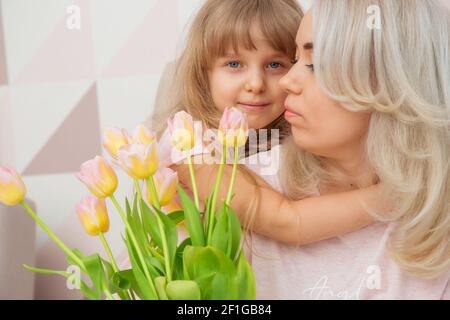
(137, 225)
(220, 236)
(160, 283)
(128, 275)
(121, 282)
(193, 218)
(183, 290)
(235, 232)
(244, 281)
(178, 265)
(46, 271)
(171, 233)
(176, 216)
(94, 269)
(212, 270)
(156, 263)
(151, 225)
(142, 284)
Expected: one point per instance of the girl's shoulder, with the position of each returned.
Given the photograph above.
(266, 164)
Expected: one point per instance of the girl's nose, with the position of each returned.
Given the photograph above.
(256, 82)
(291, 82)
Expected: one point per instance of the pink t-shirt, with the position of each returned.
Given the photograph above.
(351, 266)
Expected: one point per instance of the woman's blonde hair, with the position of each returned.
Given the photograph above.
(399, 72)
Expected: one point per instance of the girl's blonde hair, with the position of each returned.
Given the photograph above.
(401, 74)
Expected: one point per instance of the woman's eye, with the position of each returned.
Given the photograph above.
(310, 66)
(275, 65)
(234, 64)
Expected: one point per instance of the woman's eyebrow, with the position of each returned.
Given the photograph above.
(308, 46)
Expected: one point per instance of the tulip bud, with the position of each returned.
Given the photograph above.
(99, 177)
(12, 188)
(143, 135)
(233, 128)
(172, 207)
(115, 138)
(138, 160)
(166, 181)
(93, 215)
(181, 128)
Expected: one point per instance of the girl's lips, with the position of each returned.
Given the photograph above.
(253, 106)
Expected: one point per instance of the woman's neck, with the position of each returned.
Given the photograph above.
(355, 173)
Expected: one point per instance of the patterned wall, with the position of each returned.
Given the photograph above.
(59, 87)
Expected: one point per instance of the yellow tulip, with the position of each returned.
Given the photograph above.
(166, 181)
(99, 177)
(12, 188)
(138, 160)
(93, 215)
(181, 128)
(233, 128)
(113, 139)
(143, 135)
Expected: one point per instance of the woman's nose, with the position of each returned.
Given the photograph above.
(290, 83)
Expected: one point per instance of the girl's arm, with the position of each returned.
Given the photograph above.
(292, 222)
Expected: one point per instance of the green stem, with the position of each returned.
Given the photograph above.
(233, 175)
(155, 201)
(194, 183)
(108, 251)
(52, 235)
(215, 193)
(113, 261)
(135, 243)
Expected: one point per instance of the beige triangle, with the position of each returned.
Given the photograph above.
(76, 140)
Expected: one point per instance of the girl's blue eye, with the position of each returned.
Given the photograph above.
(274, 65)
(234, 64)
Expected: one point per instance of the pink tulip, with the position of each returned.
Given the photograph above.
(99, 177)
(233, 128)
(181, 128)
(93, 215)
(166, 182)
(138, 160)
(12, 188)
(143, 135)
(113, 139)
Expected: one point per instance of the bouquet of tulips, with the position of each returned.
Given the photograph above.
(208, 264)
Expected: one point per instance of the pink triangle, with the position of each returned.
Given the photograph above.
(65, 55)
(76, 140)
(3, 70)
(150, 46)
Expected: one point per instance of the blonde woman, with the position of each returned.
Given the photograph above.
(366, 105)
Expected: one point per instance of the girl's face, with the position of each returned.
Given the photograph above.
(249, 80)
(319, 124)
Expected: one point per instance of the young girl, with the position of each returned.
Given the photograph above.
(237, 51)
